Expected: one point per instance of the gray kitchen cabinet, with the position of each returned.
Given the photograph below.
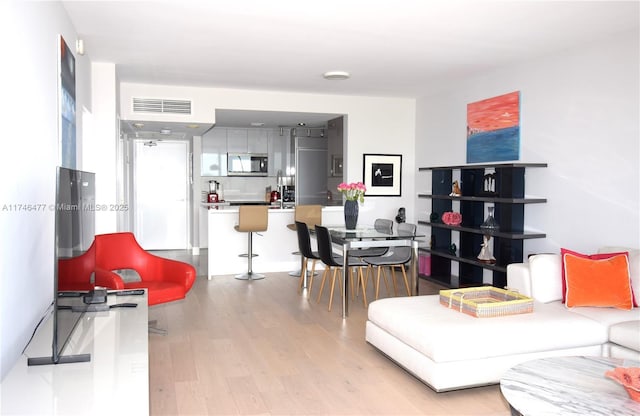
(237, 140)
(247, 140)
(257, 141)
(279, 151)
(214, 153)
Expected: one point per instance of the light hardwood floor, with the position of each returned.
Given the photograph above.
(260, 347)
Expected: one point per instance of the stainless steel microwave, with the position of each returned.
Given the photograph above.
(247, 164)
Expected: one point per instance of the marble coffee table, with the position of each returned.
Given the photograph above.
(568, 386)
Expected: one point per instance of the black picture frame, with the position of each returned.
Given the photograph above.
(382, 174)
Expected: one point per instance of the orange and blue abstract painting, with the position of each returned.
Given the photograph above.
(493, 129)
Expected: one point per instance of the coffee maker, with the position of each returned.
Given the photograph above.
(288, 193)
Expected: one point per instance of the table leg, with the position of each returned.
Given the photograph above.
(345, 276)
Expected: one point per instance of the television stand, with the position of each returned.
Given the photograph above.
(64, 359)
(115, 381)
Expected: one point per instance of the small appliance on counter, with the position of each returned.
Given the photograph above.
(288, 193)
(275, 197)
(213, 195)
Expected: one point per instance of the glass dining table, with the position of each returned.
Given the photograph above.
(368, 236)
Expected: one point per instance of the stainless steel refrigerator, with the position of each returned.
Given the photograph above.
(311, 170)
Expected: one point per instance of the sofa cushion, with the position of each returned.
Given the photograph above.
(444, 334)
(597, 256)
(634, 268)
(605, 316)
(603, 283)
(626, 334)
(547, 284)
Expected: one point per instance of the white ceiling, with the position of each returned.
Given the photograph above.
(402, 48)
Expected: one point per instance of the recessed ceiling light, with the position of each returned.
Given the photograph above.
(301, 124)
(193, 126)
(257, 124)
(165, 131)
(138, 125)
(336, 75)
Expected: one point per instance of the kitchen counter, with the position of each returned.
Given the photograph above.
(235, 204)
(274, 246)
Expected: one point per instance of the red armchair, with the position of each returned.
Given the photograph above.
(75, 273)
(166, 280)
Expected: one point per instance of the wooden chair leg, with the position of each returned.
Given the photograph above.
(386, 282)
(333, 285)
(378, 282)
(365, 281)
(313, 272)
(303, 271)
(364, 292)
(406, 282)
(393, 280)
(327, 269)
(366, 277)
(353, 292)
(363, 284)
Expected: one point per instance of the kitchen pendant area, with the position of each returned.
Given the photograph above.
(303, 152)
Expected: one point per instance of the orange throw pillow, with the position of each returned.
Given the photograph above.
(604, 282)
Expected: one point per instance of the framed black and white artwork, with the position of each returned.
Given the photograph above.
(382, 174)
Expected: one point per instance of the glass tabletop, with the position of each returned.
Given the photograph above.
(369, 232)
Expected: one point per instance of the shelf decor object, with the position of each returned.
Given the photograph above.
(490, 224)
(382, 174)
(452, 218)
(485, 255)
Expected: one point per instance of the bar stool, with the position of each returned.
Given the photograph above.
(251, 219)
(310, 215)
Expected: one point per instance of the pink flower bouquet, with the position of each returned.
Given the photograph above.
(452, 218)
(353, 191)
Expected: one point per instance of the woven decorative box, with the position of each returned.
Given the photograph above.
(486, 301)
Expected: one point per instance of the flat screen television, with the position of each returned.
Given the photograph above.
(74, 233)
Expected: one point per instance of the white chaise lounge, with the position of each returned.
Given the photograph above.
(450, 350)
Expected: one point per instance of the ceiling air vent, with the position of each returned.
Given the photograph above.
(159, 105)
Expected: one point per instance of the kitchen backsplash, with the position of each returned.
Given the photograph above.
(242, 189)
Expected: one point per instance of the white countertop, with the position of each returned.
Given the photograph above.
(226, 207)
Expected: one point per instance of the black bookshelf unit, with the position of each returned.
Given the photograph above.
(506, 194)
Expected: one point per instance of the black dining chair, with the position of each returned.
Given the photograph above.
(335, 262)
(382, 225)
(304, 245)
(397, 257)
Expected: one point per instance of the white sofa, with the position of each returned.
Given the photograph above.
(449, 350)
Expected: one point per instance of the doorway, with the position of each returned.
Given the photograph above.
(161, 194)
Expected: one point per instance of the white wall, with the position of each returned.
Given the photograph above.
(373, 125)
(102, 144)
(580, 114)
(27, 163)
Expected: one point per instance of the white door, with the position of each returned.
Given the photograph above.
(160, 194)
